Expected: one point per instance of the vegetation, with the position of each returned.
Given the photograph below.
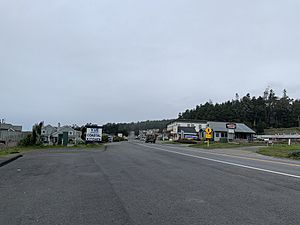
(294, 154)
(125, 128)
(33, 139)
(283, 151)
(186, 141)
(118, 139)
(105, 138)
(171, 142)
(267, 111)
(23, 149)
(214, 145)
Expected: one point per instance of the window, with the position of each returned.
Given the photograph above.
(217, 134)
(70, 133)
(43, 132)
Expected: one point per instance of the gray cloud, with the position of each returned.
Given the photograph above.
(100, 61)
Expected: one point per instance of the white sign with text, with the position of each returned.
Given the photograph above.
(94, 134)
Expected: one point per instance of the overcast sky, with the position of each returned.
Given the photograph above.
(78, 61)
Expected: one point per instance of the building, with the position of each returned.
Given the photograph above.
(194, 129)
(175, 133)
(221, 130)
(143, 133)
(188, 133)
(60, 135)
(11, 135)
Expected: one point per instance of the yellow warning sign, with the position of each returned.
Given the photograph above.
(208, 133)
(208, 130)
(208, 136)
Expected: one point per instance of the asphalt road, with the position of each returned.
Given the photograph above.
(137, 183)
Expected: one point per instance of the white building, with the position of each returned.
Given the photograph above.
(175, 133)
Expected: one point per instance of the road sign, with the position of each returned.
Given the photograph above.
(208, 133)
(231, 126)
(208, 130)
(208, 136)
(93, 133)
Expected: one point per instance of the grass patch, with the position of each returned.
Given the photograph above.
(15, 150)
(214, 145)
(282, 151)
(171, 142)
(88, 146)
(22, 149)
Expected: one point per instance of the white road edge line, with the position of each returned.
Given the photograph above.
(234, 156)
(224, 162)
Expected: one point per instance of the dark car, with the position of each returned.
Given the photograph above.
(150, 138)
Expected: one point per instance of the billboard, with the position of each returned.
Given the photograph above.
(231, 126)
(93, 134)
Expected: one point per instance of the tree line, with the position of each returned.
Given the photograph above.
(259, 113)
(125, 128)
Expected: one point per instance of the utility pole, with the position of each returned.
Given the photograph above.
(298, 121)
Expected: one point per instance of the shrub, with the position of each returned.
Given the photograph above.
(223, 140)
(294, 154)
(104, 138)
(27, 141)
(186, 141)
(118, 139)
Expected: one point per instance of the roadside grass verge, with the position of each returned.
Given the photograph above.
(281, 151)
(215, 145)
(23, 149)
(18, 149)
(172, 142)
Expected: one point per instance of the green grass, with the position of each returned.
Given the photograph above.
(171, 142)
(281, 151)
(21, 149)
(15, 150)
(214, 145)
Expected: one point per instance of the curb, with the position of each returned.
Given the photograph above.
(10, 160)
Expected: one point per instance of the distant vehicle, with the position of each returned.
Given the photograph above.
(150, 138)
(110, 138)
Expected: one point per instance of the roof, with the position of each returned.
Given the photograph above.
(65, 129)
(7, 126)
(189, 130)
(221, 126)
(187, 121)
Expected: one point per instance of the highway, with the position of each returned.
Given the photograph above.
(138, 183)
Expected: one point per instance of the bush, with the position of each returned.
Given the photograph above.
(294, 154)
(223, 140)
(118, 139)
(186, 141)
(104, 138)
(27, 141)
